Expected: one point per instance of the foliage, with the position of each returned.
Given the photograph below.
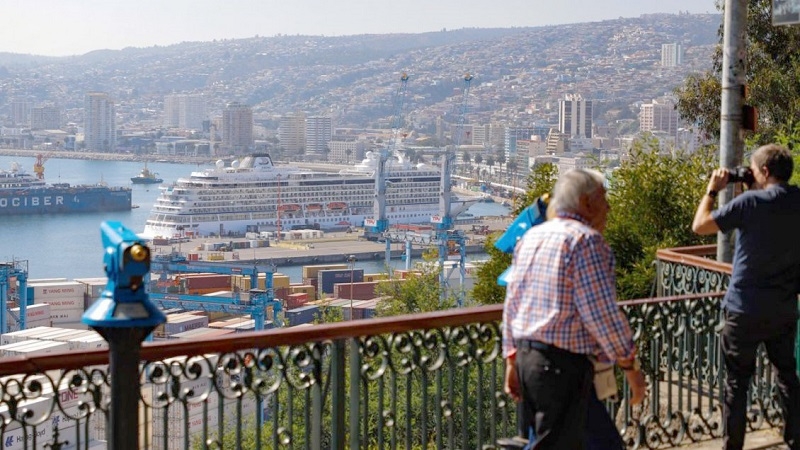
(653, 197)
(486, 291)
(419, 292)
(772, 75)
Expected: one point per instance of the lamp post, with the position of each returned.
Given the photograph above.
(352, 261)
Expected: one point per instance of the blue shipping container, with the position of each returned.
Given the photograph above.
(327, 278)
(304, 314)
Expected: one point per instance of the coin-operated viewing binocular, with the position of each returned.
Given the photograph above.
(531, 216)
(124, 302)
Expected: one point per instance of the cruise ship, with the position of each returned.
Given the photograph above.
(22, 193)
(255, 194)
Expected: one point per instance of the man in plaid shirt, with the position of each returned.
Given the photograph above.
(561, 308)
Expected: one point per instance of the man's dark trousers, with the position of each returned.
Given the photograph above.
(741, 336)
(555, 386)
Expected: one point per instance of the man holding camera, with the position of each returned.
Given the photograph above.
(760, 305)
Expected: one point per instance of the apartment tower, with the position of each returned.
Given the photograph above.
(237, 128)
(100, 127)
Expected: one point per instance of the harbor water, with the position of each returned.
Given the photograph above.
(69, 246)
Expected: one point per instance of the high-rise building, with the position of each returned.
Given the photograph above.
(187, 111)
(661, 115)
(46, 117)
(21, 113)
(671, 55)
(237, 128)
(100, 127)
(319, 130)
(575, 116)
(292, 133)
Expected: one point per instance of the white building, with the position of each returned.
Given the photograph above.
(100, 127)
(660, 115)
(575, 116)
(187, 111)
(319, 130)
(237, 128)
(292, 133)
(671, 55)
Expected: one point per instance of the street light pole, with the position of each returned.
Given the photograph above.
(352, 260)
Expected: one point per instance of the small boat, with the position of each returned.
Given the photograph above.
(314, 207)
(146, 177)
(337, 206)
(289, 207)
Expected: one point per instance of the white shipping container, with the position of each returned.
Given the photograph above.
(43, 291)
(20, 335)
(39, 348)
(90, 342)
(59, 303)
(77, 325)
(31, 324)
(184, 323)
(32, 313)
(8, 349)
(59, 316)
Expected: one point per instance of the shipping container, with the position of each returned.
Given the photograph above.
(311, 271)
(43, 291)
(184, 323)
(296, 300)
(356, 291)
(39, 348)
(327, 278)
(304, 314)
(20, 335)
(87, 342)
(32, 313)
(58, 303)
(59, 316)
(201, 333)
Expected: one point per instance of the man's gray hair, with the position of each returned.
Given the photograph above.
(572, 186)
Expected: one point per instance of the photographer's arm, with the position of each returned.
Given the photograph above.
(703, 222)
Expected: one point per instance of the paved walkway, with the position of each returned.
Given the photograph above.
(756, 440)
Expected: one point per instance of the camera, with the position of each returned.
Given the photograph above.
(741, 174)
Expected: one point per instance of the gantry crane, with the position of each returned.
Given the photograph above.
(256, 306)
(451, 241)
(379, 224)
(16, 270)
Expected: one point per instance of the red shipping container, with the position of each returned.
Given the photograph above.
(360, 291)
(208, 281)
(296, 300)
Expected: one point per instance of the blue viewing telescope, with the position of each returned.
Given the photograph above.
(124, 302)
(531, 216)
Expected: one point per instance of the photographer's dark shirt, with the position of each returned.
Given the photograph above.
(766, 262)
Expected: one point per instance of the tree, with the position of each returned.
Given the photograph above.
(653, 198)
(772, 76)
(348, 152)
(486, 291)
(478, 159)
(417, 293)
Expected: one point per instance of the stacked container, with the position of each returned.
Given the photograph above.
(66, 300)
(35, 316)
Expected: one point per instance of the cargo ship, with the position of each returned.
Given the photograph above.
(22, 193)
(256, 194)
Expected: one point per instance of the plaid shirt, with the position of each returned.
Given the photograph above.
(561, 292)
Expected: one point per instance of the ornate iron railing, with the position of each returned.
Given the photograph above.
(414, 382)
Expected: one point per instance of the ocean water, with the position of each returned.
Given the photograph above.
(69, 245)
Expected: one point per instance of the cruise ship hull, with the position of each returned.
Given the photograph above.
(258, 196)
(64, 200)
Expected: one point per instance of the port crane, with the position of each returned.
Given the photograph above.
(16, 270)
(38, 166)
(256, 306)
(379, 224)
(451, 241)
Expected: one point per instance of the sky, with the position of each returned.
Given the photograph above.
(75, 27)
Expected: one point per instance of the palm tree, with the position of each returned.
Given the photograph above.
(347, 153)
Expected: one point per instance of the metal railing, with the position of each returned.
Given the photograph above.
(414, 382)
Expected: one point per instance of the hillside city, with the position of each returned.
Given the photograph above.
(508, 97)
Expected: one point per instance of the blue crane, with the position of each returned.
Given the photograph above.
(8, 271)
(256, 306)
(379, 224)
(451, 241)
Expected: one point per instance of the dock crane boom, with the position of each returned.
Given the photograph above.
(445, 235)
